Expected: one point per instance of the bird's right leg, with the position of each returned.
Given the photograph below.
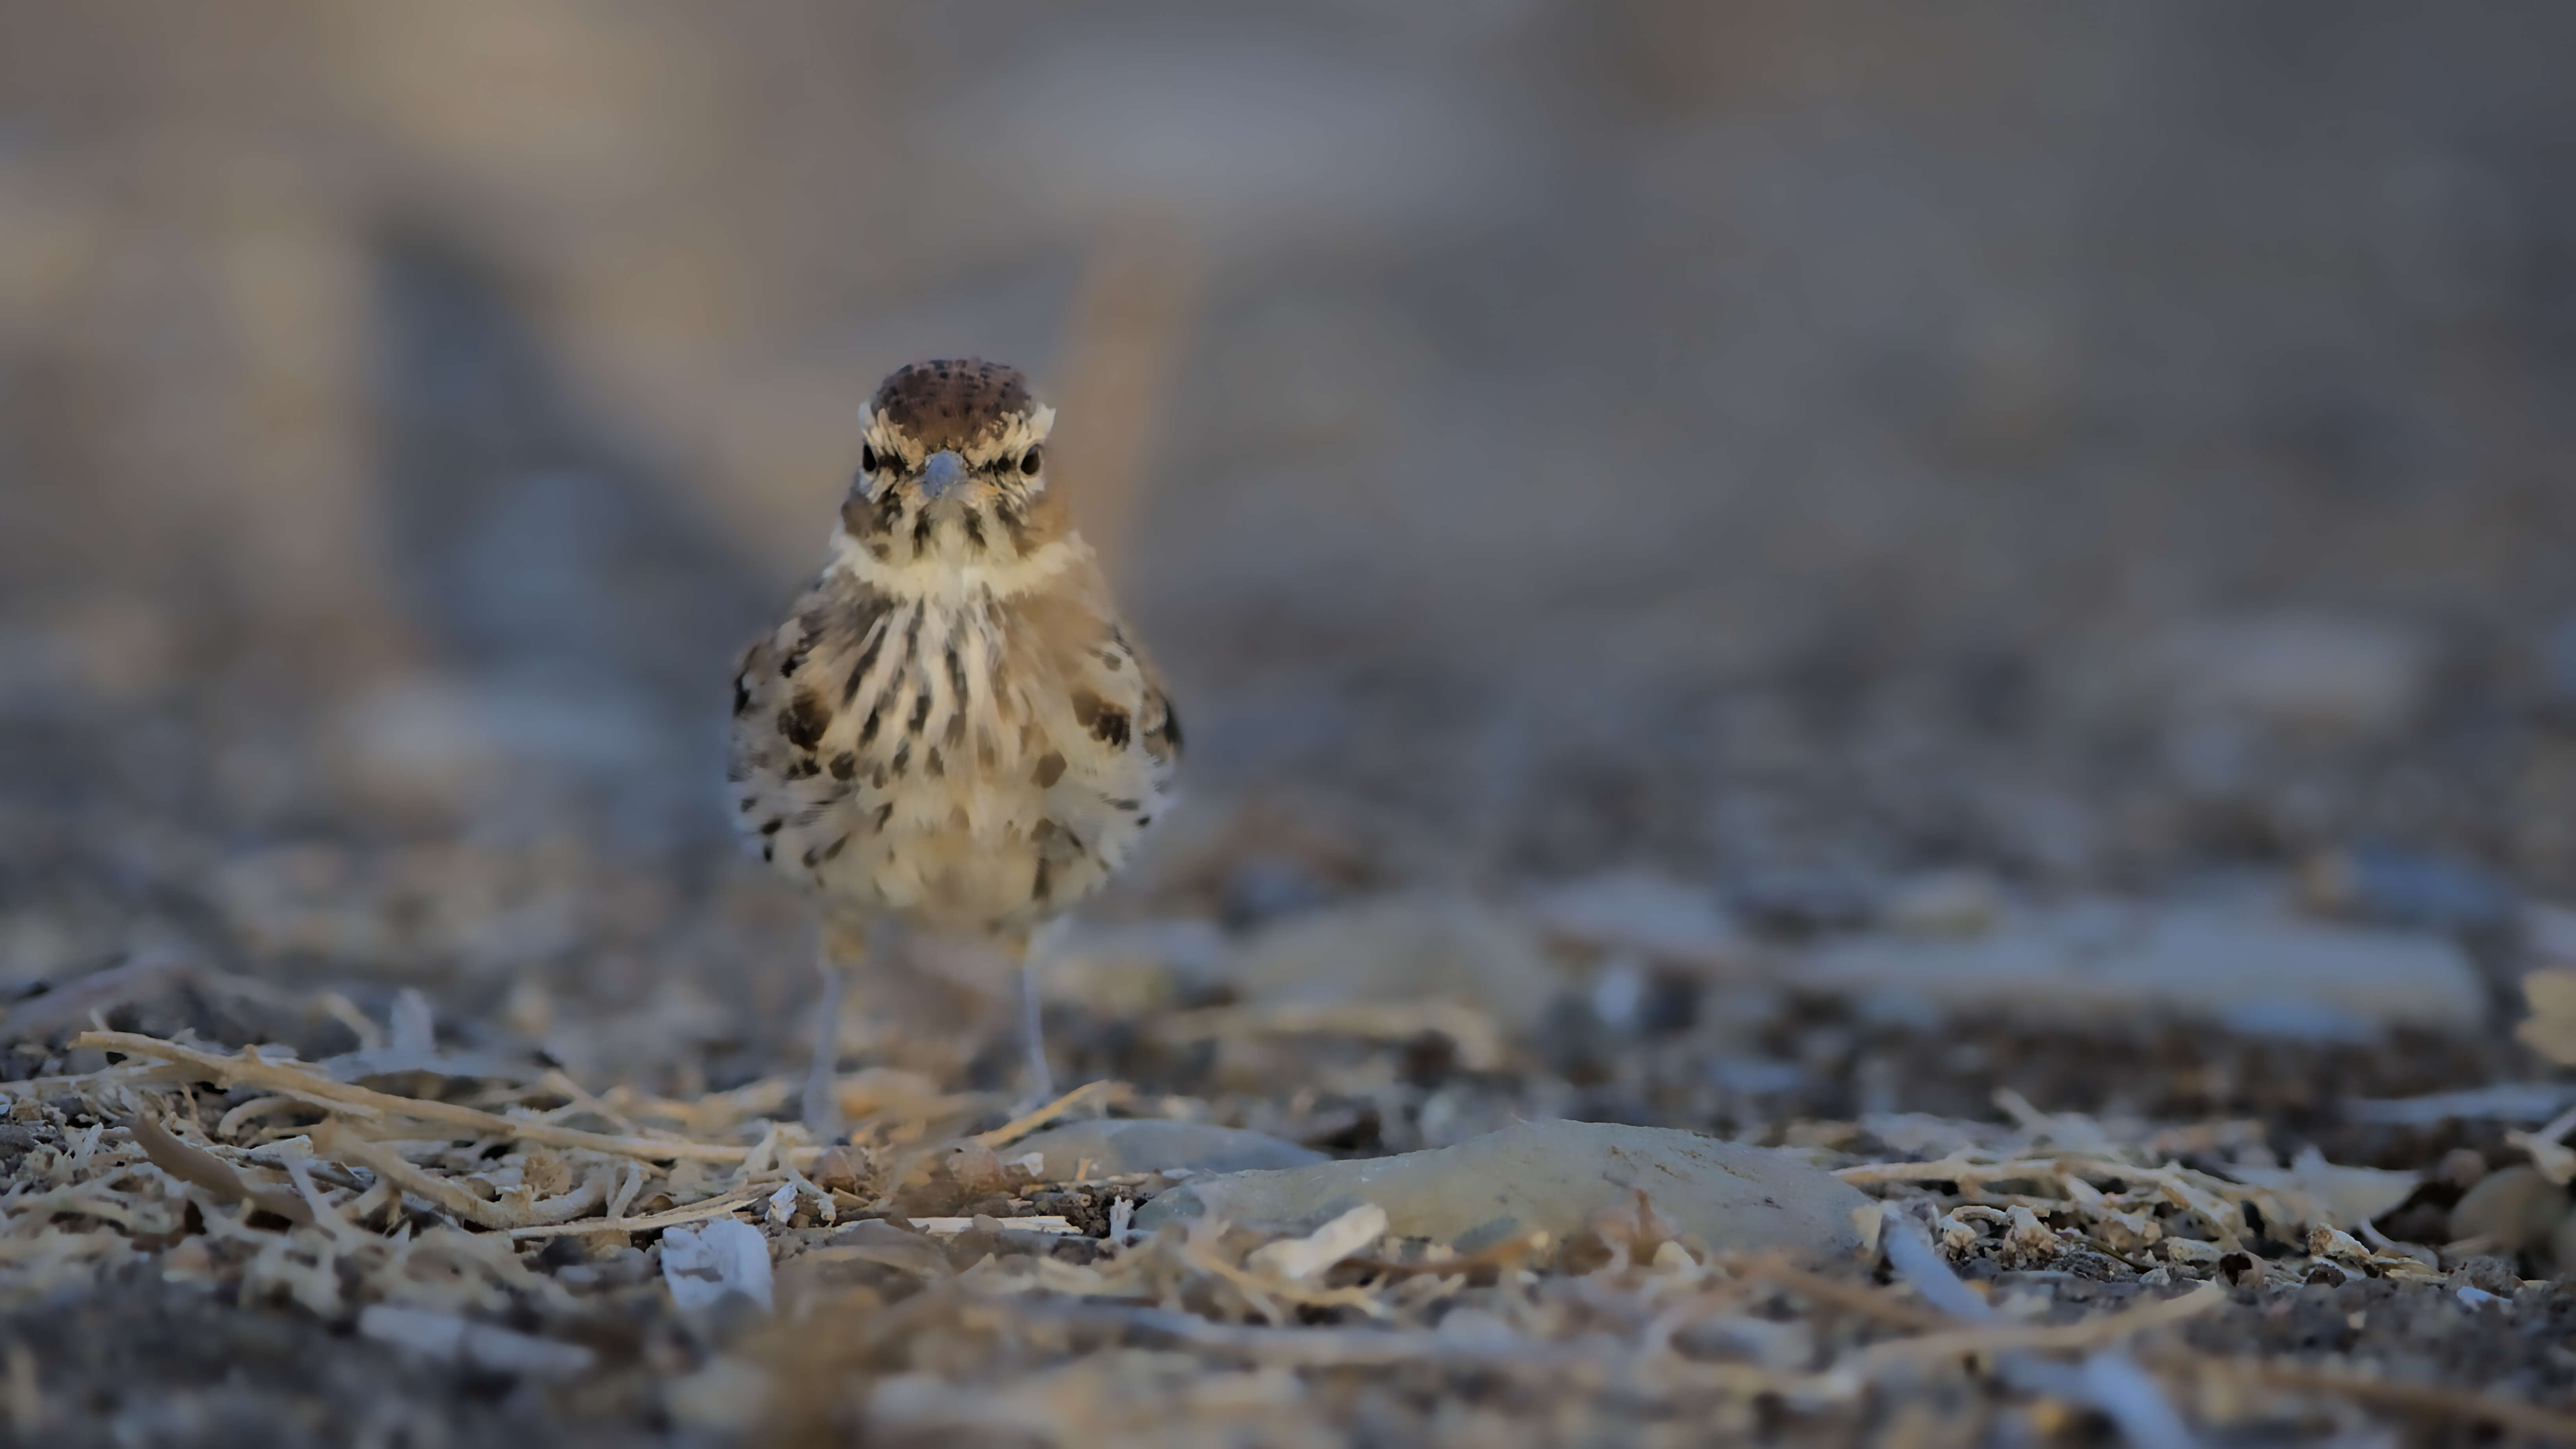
(844, 948)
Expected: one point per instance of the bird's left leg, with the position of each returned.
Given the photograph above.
(844, 949)
(1030, 950)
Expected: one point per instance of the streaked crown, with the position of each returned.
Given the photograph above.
(960, 404)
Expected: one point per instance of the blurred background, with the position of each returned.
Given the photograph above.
(1782, 450)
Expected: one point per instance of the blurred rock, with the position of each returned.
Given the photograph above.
(1803, 902)
(2550, 1030)
(1402, 948)
(1262, 141)
(1149, 1144)
(1267, 886)
(1131, 967)
(2515, 1208)
(2549, 935)
(2406, 888)
(112, 650)
(435, 745)
(2301, 671)
(1643, 914)
(1946, 903)
(2558, 664)
(2253, 968)
(1549, 1176)
(2461, 1167)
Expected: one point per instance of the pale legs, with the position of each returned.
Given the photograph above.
(843, 951)
(1032, 952)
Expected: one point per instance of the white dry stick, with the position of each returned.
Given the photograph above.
(1122, 1219)
(627, 1188)
(1299, 1258)
(1055, 1226)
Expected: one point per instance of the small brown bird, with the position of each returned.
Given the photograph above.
(953, 729)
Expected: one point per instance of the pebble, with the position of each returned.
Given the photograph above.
(1551, 1176)
(705, 1265)
(1150, 1144)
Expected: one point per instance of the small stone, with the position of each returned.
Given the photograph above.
(1151, 1144)
(1555, 1177)
(605, 1245)
(969, 1173)
(976, 1170)
(2514, 1208)
(2490, 1273)
(845, 1168)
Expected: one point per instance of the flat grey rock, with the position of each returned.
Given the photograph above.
(1550, 1175)
(1150, 1144)
(2259, 969)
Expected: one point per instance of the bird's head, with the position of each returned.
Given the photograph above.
(948, 447)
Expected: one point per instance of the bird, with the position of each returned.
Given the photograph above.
(953, 730)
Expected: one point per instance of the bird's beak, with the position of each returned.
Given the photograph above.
(943, 472)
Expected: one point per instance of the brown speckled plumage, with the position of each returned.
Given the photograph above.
(952, 727)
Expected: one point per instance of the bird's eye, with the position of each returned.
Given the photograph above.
(1029, 462)
(869, 460)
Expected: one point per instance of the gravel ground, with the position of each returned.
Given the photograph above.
(1783, 552)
